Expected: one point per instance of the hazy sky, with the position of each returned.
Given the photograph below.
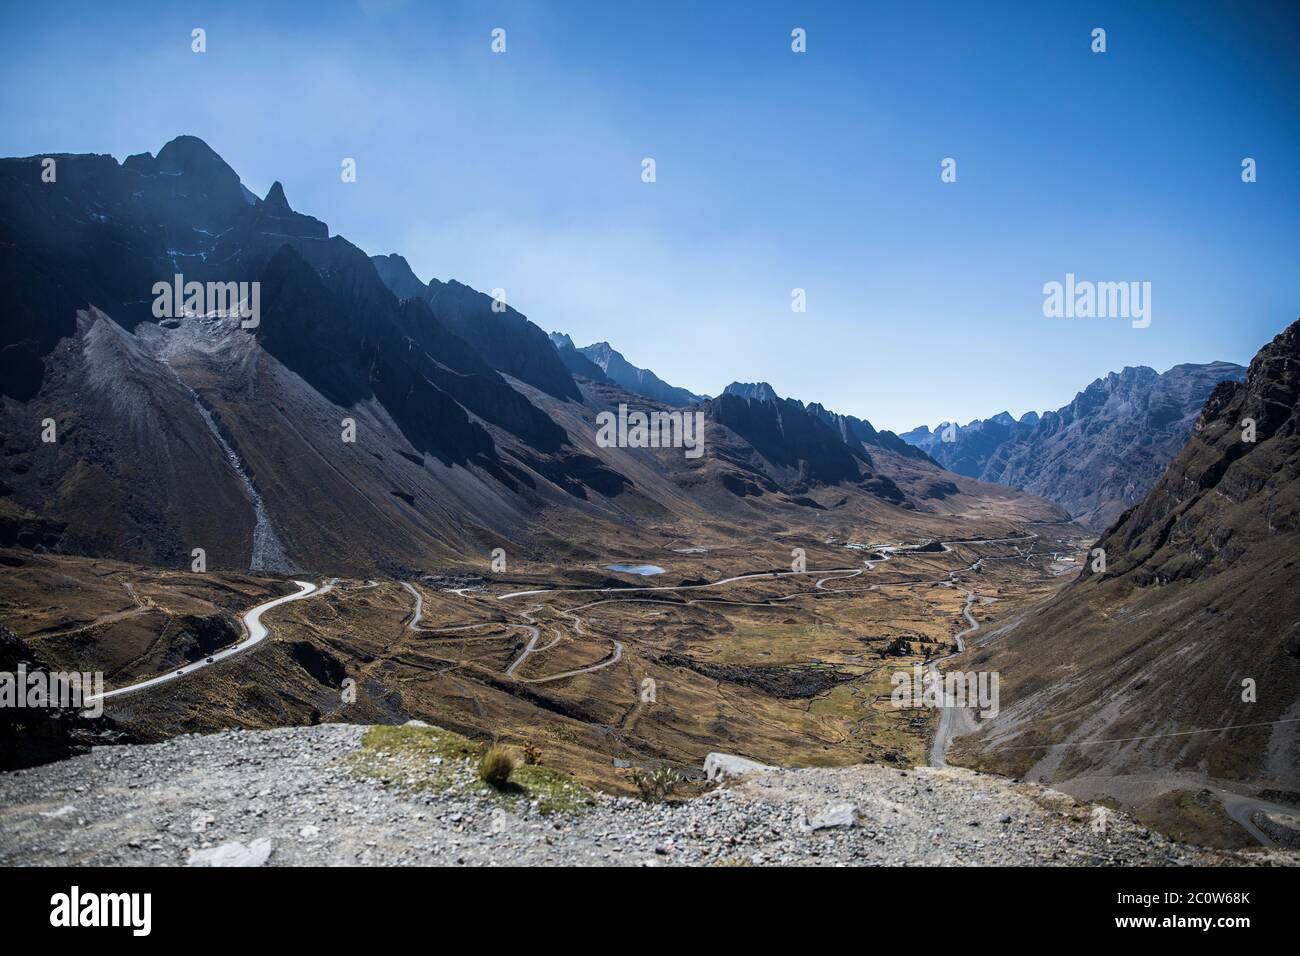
(775, 170)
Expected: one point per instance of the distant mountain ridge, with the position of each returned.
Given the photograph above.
(1096, 456)
(575, 361)
(640, 381)
(966, 449)
(853, 432)
(758, 391)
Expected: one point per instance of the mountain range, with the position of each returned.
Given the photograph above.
(966, 449)
(368, 420)
(1097, 455)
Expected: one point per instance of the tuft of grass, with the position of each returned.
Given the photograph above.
(495, 766)
(532, 754)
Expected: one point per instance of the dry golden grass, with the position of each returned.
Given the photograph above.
(495, 766)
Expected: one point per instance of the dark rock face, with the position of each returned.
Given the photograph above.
(201, 635)
(1096, 456)
(789, 437)
(575, 472)
(396, 273)
(740, 486)
(323, 666)
(351, 339)
(854, 432)
(102, 236)
(940, 490)
(884, 488)
(857, 432)
(35, 735)
(639, 381)
(334, 321)
(821, 446)
(505, 339)
(25, 530)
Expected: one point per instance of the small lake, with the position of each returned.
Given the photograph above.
(644, 569)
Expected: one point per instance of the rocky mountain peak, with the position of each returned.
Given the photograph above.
(190, 156)
(1197, 593)
(275, 197)
(399, 277)
(758, 391)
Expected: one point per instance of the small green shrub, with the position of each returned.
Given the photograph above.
(898, 647)
(657, 785)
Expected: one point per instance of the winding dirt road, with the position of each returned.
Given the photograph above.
(949, 717)
(885, 551)
(256, 630)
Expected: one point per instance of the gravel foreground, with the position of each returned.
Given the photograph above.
(292, 797)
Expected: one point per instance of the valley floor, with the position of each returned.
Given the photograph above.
(725, 652)
(730, 649)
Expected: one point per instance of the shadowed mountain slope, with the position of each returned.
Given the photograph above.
(821, 445)
(505, 338)
(250, 419)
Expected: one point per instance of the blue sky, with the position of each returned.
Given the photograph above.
(775, 170)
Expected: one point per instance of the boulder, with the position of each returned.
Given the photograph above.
(232, 854)
(720, 766)
(834, 815)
